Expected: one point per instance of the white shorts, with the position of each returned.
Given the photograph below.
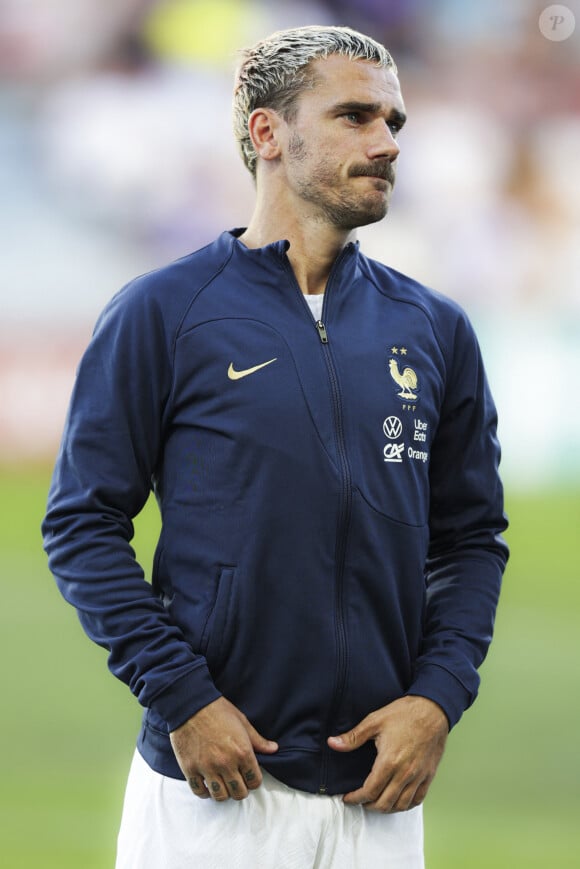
(164, 826)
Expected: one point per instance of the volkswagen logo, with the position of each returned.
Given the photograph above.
(393, 427)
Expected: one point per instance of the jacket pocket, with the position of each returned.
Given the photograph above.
(160, 578)
(218, 623)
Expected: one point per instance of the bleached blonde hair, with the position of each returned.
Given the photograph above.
(275, 71)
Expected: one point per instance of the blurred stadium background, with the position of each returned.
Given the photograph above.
(116, 156)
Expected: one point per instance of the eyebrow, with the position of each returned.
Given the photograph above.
(370, 108)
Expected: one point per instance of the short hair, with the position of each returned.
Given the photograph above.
(274, 72)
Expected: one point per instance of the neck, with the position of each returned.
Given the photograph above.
(314, 244)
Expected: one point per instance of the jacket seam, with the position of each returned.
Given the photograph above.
(427, 663)
(386, 515)
(197, 665)
(396, 298)
(188, 307)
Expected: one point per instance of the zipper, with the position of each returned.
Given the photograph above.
(340, 556)
(344, 515)
(322, 331)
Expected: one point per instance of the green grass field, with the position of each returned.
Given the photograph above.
(508, 792)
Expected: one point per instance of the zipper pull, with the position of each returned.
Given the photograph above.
(322, 331)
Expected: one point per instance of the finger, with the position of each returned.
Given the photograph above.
(373, 786)
(197, 785)
(356, 798)
(413, 795)
(406, 798)
(259, 742)
(234, 779)
(400, 796)
(236, 787)
(391, 802)
(347, 741)
(421, 793)
(355, 737)
(217, 789)
(252, 775)
(386, 802)
(225, 784)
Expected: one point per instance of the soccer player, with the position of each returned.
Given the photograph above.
(320, 437)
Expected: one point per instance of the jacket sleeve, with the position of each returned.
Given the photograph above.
(467, 554)
(102, 479)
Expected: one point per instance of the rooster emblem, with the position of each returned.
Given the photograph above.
(407, 380)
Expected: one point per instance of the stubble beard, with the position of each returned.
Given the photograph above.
(340, 207)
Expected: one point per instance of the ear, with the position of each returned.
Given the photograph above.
(263, 127)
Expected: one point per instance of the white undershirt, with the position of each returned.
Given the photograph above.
(315, 305)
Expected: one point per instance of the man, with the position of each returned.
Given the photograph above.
(330, 561)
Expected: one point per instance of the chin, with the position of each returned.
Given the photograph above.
(373, 215)
(356, 221)
(350, 215)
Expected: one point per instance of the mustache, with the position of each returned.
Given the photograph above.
(381, 169)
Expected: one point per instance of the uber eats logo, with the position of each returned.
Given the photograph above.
(395, 449)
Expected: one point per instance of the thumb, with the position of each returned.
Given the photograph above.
(350, 740)
(260, 743)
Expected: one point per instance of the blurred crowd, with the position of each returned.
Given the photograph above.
(117, 151)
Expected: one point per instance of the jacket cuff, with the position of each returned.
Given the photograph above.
(185, 697)
(441, 686)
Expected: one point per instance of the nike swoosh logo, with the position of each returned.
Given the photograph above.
(237, 375)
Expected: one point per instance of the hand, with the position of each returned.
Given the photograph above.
(410, 736)
(215, 750)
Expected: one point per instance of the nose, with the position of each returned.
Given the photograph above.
(383, 143)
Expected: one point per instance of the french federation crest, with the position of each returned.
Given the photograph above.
(405, 378)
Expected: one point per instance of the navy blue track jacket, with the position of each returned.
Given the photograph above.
(330, 501)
